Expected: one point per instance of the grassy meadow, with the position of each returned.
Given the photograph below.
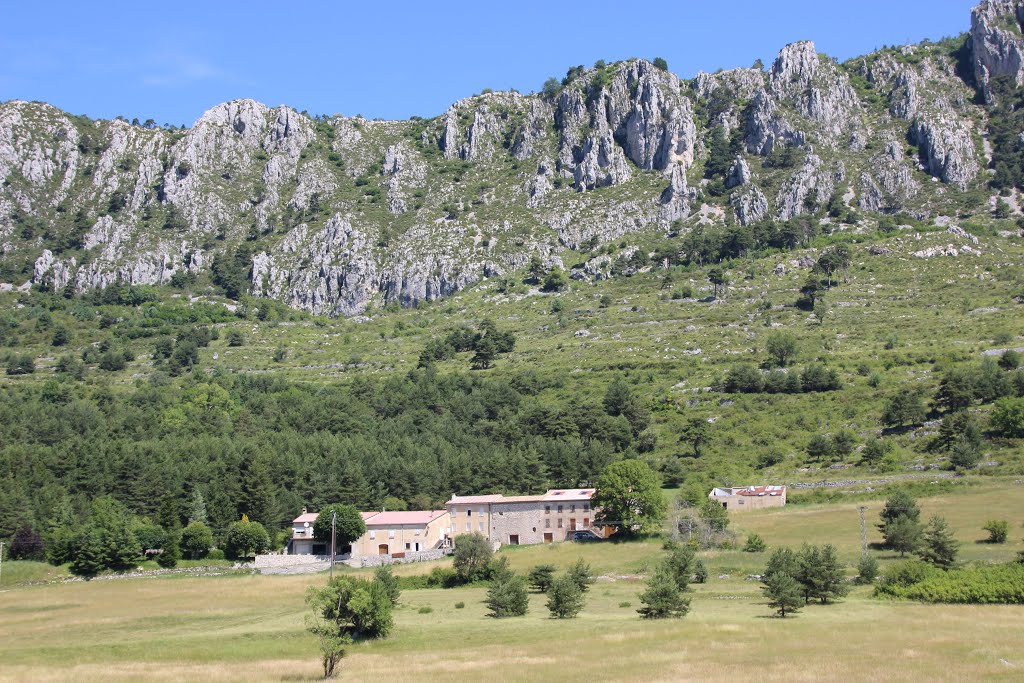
(244, 627)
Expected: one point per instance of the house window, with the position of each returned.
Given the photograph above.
(469, 513)
(586, 522)
(373, 534)
(391, 533)
(480, 512)
(572, 508)
(547, 509)
(559, 509)
(586, 507)
(559, 522)
(417, 533)
(481, 526)
(469, 527)
(547, 523)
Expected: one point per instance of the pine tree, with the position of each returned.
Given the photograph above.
(939, 547)
(831, 583)
(197, 508)
(903, 535)
(784, 593)
(680, 563)
(808, 573)
(700, 572)
(565, 599)
(663, 599)
(508, 597)
(88, 558)
(542, 577)
(581, 574)
(257, 500)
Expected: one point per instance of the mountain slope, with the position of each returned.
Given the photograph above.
(335, 214)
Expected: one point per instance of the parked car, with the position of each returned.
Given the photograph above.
(584, 536)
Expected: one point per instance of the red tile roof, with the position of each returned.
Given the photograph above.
(306, 517)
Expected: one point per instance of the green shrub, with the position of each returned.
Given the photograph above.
(425, 610)
(998, 530)
(460, 605)
(991, 585)
(755, 544)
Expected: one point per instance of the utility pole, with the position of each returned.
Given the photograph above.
(1, 560)
(863, 531)
(334, 554)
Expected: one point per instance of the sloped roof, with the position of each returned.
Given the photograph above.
(475, 500)
(407, 517)
(569, 494)
(767, 490)
(306, 517)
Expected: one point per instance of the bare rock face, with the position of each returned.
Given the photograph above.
(818, 90)
(947, 150)
(352, 212)
(750, 205)
(339, 276)
(675, 200)
(765, 128)
(811, 184)
(739, 174)
(997, 42)
(640, 114)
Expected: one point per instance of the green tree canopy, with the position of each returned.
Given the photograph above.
(245, 539)
(349, 525)
(472, 557)
(629, 494)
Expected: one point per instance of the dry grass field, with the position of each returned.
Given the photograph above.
(251, 627)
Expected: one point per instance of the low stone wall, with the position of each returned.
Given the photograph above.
(273, 561)
(379, 560)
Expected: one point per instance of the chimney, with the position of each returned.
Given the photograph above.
(303, 509)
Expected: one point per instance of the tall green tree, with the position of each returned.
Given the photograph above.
(629, 495)
(258, 501)
(347, 609)
(662, 599)
(471, 557)
(939, 547)
(349, 525)
(565, 599)
(784, 593)
(507, 597)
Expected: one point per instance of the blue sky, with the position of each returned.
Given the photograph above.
(171, 61)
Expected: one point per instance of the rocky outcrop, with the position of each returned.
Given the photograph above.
(947, 150)
(739, 174)
(675, 200)
(750, 205)
(818, 90)
(637, 112)
(810, 187)
(346, 212)
(997, 42)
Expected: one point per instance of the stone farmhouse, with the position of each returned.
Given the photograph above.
(555, 516)
(397, 533)
(749, 497)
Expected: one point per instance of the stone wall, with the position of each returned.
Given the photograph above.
(276, 560)
(378, 560)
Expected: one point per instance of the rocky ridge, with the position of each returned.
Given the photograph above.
(334, 214)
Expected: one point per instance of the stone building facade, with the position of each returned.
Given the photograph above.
(552, 517)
